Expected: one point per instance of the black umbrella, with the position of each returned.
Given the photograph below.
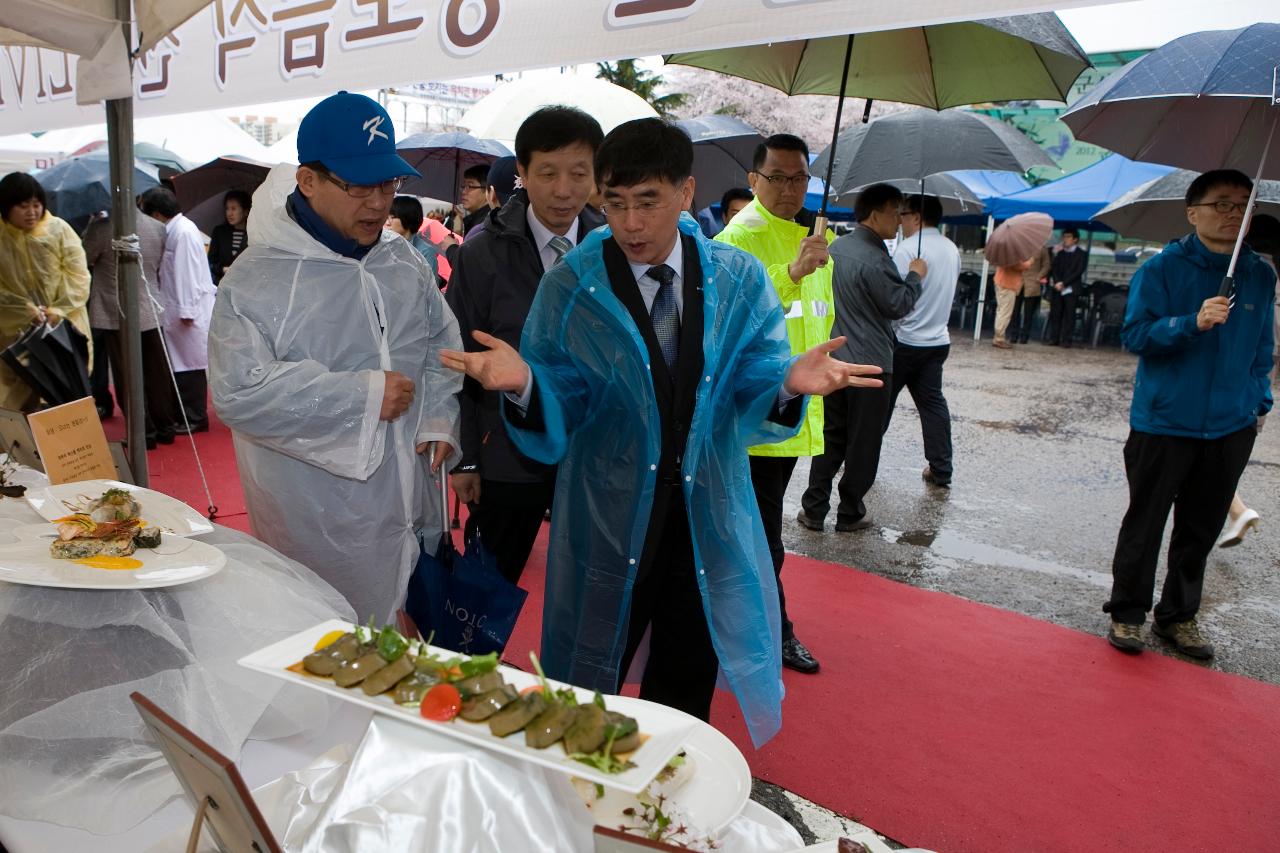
(52, 360)
(723, 148)
(200, 190)
(79, 187)
(442, 158)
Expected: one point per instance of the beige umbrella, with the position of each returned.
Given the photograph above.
(1018, 238)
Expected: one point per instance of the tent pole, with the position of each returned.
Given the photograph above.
(982, 285)
(820, 224)
(124, 224)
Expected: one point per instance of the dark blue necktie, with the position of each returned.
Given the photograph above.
(664, 316)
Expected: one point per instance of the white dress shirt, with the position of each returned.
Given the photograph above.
(542, 236)
(926, 325)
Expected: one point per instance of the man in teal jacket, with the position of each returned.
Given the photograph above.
(1201, 390)
(655, 358)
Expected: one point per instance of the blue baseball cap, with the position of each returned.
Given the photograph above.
(352, 136)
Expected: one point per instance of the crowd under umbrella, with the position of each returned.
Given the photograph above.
(441, 158)
(723, 150)
(1207, 100)
(1027, 57)
(79, 187)
(200, 191)
(1157, 210)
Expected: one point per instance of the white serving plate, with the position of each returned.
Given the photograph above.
(713, 796)
(667, 728)
(176, 561)
(169, 514)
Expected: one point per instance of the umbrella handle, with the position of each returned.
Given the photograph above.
(819, 225)
(444, 494)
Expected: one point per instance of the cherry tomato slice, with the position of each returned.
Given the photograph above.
(441, 703)
(532, 688)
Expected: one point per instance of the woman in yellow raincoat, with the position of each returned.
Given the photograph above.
(43, 276)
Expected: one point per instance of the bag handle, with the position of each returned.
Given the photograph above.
(444, 494)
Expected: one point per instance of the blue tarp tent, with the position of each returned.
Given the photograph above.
(989, 185)
(1080, 195)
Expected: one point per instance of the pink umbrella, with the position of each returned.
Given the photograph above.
(1018, 238)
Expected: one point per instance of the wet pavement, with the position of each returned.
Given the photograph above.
(1030, 521)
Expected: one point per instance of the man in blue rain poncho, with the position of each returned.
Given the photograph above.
(652, 359)
(324, 361)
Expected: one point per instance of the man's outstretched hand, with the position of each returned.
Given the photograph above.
(499, 369)
(816, 372)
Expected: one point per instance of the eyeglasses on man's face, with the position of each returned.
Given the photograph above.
(1223, 207)
(472, 187)
(794, 181)
(388, 187)
(645, 209)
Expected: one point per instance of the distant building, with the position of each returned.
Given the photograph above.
(1039, 119)
(265, 129)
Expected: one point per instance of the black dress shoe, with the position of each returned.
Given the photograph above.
(196, 426)
(164, 437)
(796, 656)
(807, 521)
(105, 412)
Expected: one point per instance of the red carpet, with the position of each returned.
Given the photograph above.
(960, 727)
(173, 470)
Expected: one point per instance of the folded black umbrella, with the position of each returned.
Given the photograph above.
(53, 361)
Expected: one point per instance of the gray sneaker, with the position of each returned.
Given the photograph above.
(1186, 638)
(1125, 637)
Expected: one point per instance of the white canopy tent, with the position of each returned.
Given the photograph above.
(198, 137)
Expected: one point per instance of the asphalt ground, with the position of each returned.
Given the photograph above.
(1030, 521)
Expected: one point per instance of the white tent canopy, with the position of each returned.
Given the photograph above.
(498, 115)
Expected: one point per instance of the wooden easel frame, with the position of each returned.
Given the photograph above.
(212, 783)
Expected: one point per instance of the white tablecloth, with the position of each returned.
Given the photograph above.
(73, 750)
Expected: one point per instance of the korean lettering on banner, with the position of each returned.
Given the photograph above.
(153, 67)
(465, 25)
(236, 27)
(630, 13)
(304, 34)
(386, 27)
(52, 72)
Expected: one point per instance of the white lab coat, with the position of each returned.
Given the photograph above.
(186, 291)
(297, 353)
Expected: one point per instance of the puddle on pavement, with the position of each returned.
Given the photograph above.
(1021, 427)
(947, 544)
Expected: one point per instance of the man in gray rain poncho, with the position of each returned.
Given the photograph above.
(323, 360)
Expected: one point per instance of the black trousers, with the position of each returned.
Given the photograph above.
(853, 430)
(1025, 309)
(919, 370)
(159, 398)
(682, 666)
(193, 391)
(100, 372)
(1197, 478)
(770, 476)
(508, 517)
(1062, 317)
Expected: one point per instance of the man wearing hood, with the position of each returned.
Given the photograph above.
(652, 358)
(495, 279)
(324, 361)
(775, 228)
(1202, 385)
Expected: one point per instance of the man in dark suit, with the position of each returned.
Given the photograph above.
(495, 277)
(1066, 279)
(651, 360)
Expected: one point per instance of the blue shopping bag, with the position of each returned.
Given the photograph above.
(463, 598)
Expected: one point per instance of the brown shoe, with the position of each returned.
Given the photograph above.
(1002, 344)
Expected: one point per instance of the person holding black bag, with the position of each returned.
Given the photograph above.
(43, 277)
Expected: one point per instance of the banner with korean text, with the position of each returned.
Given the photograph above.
(237, 52)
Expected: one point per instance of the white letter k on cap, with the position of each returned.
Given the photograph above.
(372, 126)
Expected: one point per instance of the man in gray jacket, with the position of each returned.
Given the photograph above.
(869, 296)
